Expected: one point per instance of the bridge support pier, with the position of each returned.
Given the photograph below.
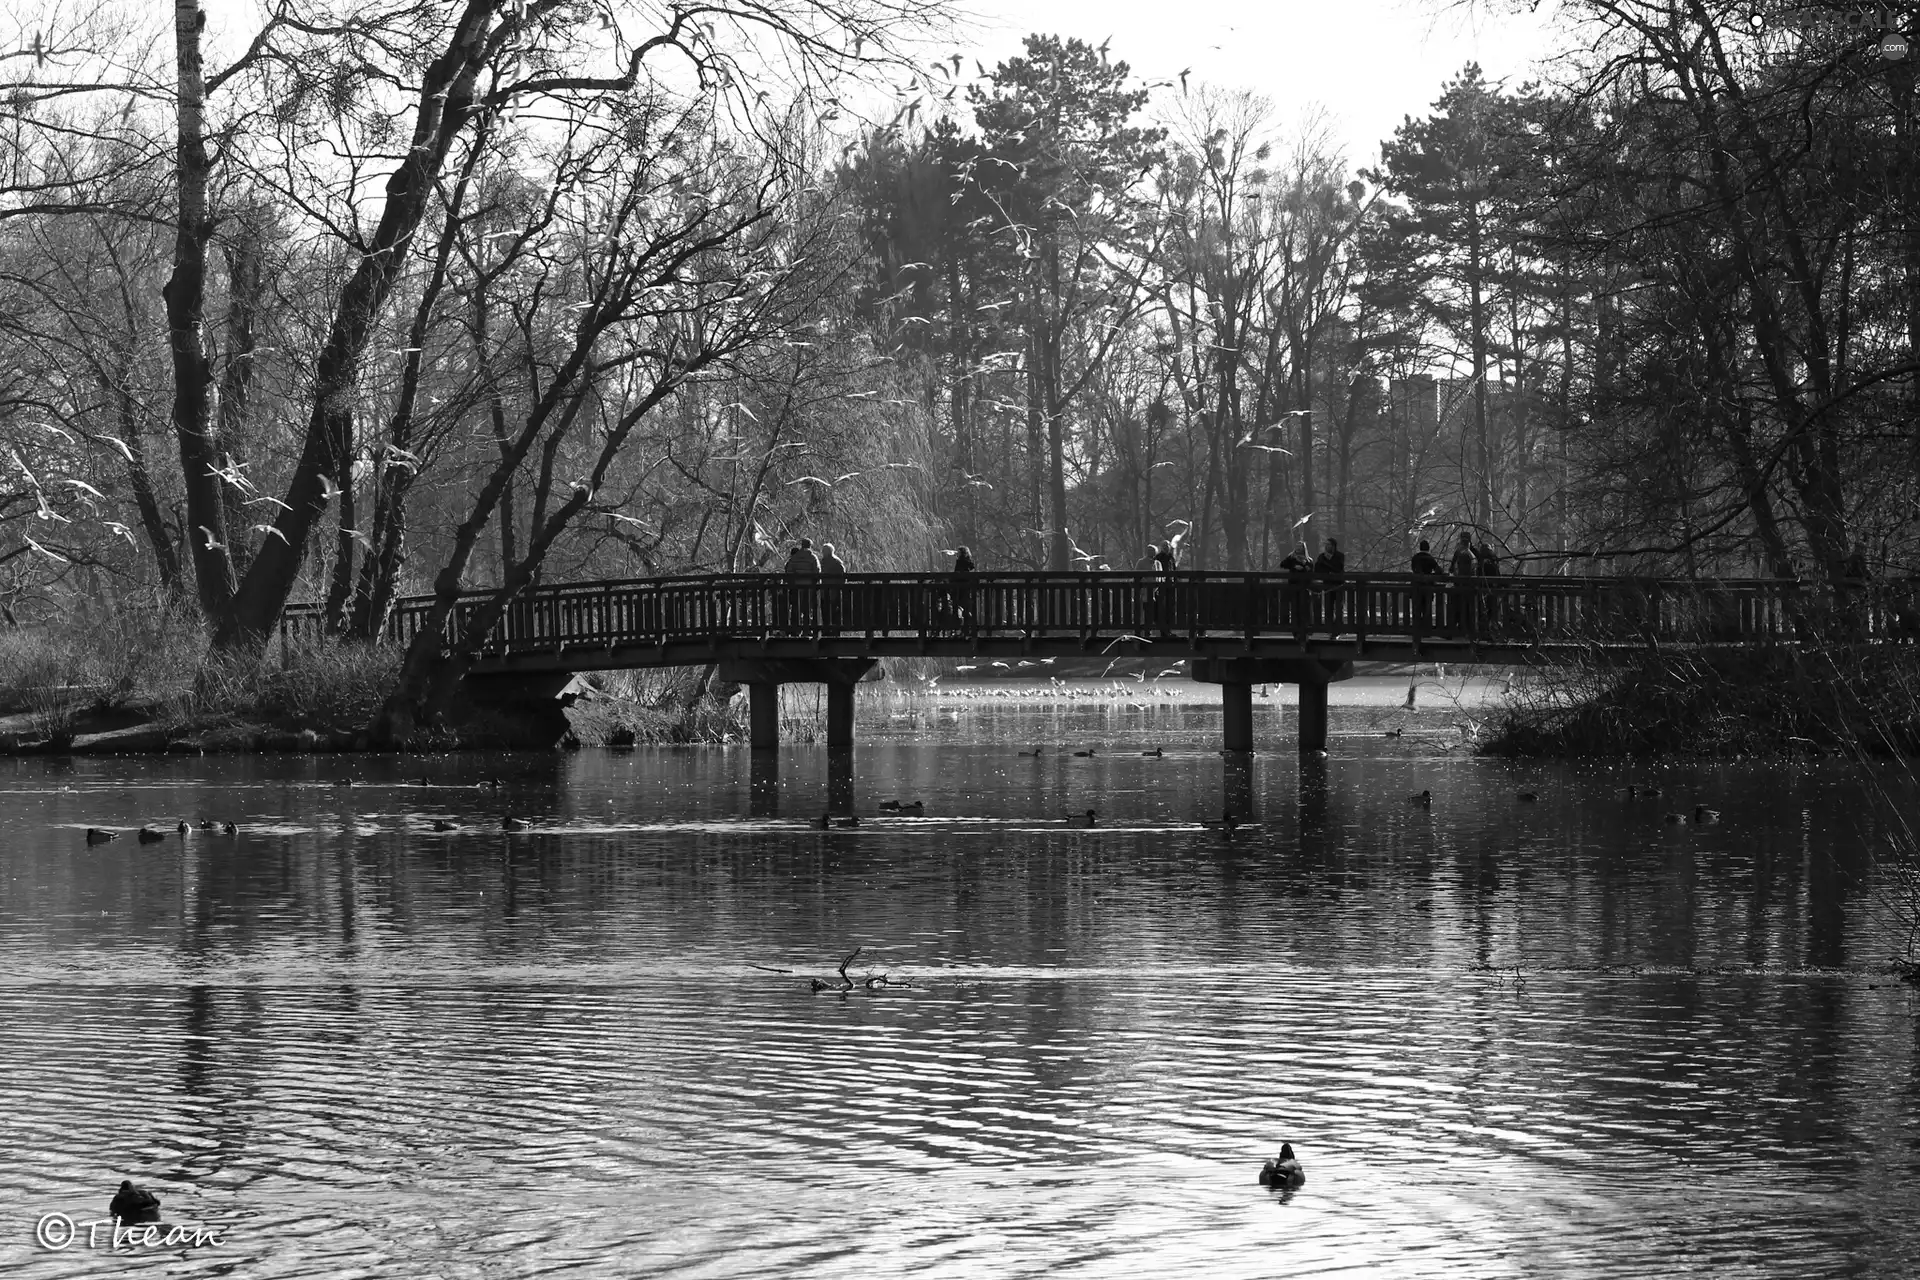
(1237, 676)
(1236, 715)
(763, 715)
(839, 719)
(763, 678)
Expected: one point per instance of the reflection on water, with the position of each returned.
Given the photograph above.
(1560, 1038)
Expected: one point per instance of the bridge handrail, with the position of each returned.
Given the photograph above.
(1509, 609)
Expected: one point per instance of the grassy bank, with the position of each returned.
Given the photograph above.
(1811, 701)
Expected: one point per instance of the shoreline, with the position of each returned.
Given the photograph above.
(1799, 705)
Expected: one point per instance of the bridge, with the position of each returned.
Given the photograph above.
(1234, 630)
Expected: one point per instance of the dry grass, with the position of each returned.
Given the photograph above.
(324, 685)
(150, 658)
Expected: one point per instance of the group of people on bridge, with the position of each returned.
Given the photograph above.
(1315, 596)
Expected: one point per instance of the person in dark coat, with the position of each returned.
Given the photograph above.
(1423, 566)
(803, 569)
(802, 562)
(1293, 608)
(133, 1204)
(959, 602)
(1166, 559)
(1463, 568)
(1330, 563)
(1486, 567)
(833, 587)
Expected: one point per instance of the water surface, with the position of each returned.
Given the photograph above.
(1553, 1038)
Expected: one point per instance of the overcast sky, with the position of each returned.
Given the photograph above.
(1368, 62)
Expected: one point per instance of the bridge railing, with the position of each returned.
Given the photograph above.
(1510, 611)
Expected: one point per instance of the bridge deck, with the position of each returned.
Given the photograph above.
(693, 620)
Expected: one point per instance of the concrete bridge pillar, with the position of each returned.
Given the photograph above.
(763, 678)
(840, 719)
(1236, 715)
(1237, 676)
(763, 715)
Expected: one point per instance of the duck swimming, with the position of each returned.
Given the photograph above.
(1424, 799)
(1156, 753)
(1226, 822)
(852, 820)
(822, 822)
(1090, 818)
(917, 808)
(1704, 815)
(96, 836)
(133, 1204)
(1037, 751)
(445, 824)
(150, 834)
(514, 824)
(1527, 797)
(1085, 754)
(1283, 1171)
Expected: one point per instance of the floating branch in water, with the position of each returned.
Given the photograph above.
(871, 981)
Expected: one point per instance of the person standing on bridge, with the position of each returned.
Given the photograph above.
(833, 588)
(1486, 567)
(1463, 567)
(1331, 563)
(1297, 565)
(803, 568)
(959, 601)
(1424, 567)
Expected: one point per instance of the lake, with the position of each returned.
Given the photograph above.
(1558, 1037)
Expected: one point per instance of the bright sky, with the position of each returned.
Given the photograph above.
(1368, 63)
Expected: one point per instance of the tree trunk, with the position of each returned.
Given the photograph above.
(1482, 496)
(185, 295)
(1060, 558)
(340, 581)
(245, 256)
(446, 99)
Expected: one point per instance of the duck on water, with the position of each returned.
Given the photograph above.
(1283, 1171)
(133, 1204)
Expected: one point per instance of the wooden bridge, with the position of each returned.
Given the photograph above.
(1234, 629)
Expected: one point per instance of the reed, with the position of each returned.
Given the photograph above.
(1813, 700)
